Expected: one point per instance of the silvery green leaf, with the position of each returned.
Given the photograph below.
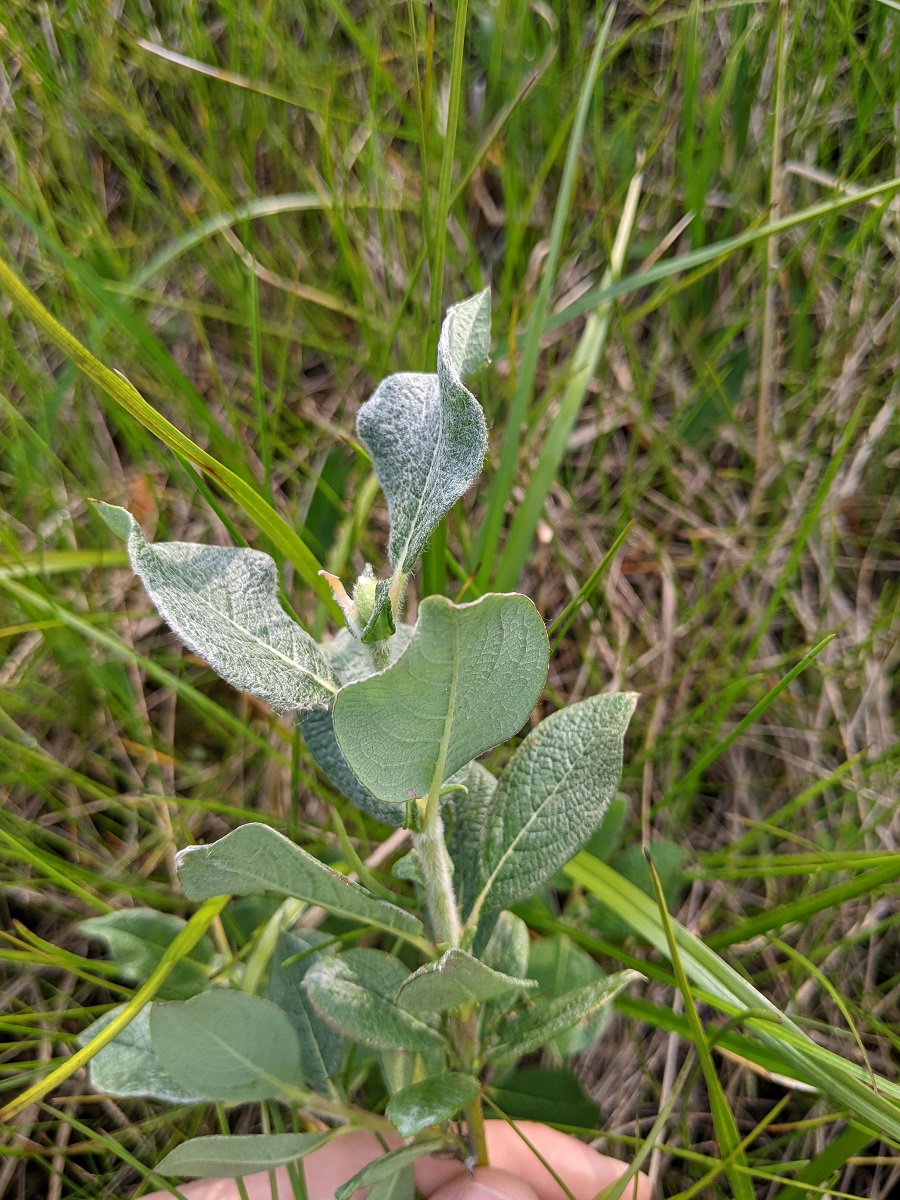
(380, 624)
(128, 1066)
(255, 858)
(530, 1029)
(354, 993)
(233, 1046)
(351, 660)
(552, 796)
(387, 1166)
(136, 939)
(231, 1156)
(466, 841)
(560, 966)
(468, 679)
(430, 1102)
(321, 1049)
(223, 604)
(456, 978)
(426, 433)
(399, 1186)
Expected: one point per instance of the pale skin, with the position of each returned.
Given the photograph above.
(515, 1173)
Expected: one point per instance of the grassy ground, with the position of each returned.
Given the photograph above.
(738, 421)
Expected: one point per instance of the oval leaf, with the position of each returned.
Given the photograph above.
(128, 1066)
(136, 939)
(533, 1028)
(223, 604)
(387, 1166)
(469, 679)
(255, 858)
(354, 993)
(552, 796)
(430, 1102)
(233, 1046)
(229, 1157)
(456, 978)
(321, 1049)
(426, 433)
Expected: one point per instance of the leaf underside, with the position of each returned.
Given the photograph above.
(456, 978)
(222, 602)
(426, 434)
(128, 1066)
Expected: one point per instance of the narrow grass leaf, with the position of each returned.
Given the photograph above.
(723, 1120)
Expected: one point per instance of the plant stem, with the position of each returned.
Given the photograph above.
(434, 860)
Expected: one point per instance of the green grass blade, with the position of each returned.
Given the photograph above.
(844, 1082)
(723, 1119)
(488, 537)
(517, 547)
(123, 393)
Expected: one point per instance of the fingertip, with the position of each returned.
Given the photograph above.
(486, 1183)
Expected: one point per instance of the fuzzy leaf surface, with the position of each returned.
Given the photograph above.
(466, 842)
(469, 679)
(560, 967)
(533, 1028)
(387, 1166)
(456, 978)
(222, 602)
(128, 1066)
(321, 1049)
(552, 796)
(234, 1046)
(354, 993)
(509, 945)
(230, 1156)
(427, 434)
(136, 939)
(255, 858)
(430, 1102)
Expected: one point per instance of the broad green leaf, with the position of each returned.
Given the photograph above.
(128, 1065)
(223, 604)
(508, 946)
(233, 1046)
(321, 1049)
(456, 978)
(560, 966)
(399, 1186)
(548, 1094)
(426, 433)
(468, 680)
(534, 1027)
(230, 1156)
(354, 993)
(466, 841)
(387, 1166)
(430, 1102)
(552, 796)
(136, 939)
(351, 661)
(255, 858)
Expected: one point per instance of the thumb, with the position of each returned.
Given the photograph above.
(486, 1183)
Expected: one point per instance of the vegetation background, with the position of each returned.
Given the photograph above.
(238, 205)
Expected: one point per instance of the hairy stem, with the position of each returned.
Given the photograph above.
(440, 898)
